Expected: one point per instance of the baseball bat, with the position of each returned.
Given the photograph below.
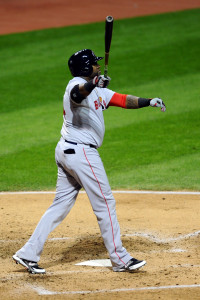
(108, 38)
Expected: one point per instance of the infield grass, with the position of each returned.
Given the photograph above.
(143, 149)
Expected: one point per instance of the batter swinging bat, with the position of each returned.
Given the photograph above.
(108, 37)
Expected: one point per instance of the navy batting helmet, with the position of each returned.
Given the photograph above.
(80, 63)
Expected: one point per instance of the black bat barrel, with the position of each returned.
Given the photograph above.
(108, 33)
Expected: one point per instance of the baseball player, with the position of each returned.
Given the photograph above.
(79, 164)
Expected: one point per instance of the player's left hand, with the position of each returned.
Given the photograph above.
(157, 102)
(101, 81)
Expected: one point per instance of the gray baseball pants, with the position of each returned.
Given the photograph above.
(80, 166)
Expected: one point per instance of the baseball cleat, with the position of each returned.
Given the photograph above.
(31, 266)
(132, 265)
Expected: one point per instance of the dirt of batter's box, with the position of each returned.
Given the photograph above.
(163, 232)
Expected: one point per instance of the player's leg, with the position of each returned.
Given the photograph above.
(94, 180)
(66, 192)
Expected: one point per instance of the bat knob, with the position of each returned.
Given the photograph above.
(109, 18)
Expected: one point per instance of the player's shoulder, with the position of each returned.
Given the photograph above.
(76, 80)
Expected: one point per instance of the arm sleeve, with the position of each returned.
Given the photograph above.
(76, 95)
(118, 100)
(75, 81)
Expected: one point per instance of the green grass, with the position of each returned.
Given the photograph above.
(143, 149)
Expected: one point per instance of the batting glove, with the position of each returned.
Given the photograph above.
(101, 81)
(157, 102)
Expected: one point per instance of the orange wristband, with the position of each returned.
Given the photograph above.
(118, 100)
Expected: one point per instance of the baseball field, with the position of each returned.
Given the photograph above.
(151, 158)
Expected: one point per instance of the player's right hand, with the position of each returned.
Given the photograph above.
(157, 102)
(101, 81)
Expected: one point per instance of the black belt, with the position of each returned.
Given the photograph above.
(92, 146)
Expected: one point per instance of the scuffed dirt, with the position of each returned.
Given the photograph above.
(148, 225)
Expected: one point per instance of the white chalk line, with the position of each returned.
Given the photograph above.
(163, 241)
(157, 192)
(185, 266)
(145, 235)
(114, 192)
(51, 273)
(50, 240)
(63, 238)
(43, 291)
(140, 234)
(25, 274)
(169, 251)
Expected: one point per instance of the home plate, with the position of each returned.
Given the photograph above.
(96, 263)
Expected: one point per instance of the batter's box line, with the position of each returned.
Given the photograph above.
(25, 274)
(144, 235)
(42, 291)
(138, 234)
(14, 276)
(114, 192)
(162, 241)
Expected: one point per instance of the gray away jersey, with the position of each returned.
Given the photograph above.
(84, 123)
